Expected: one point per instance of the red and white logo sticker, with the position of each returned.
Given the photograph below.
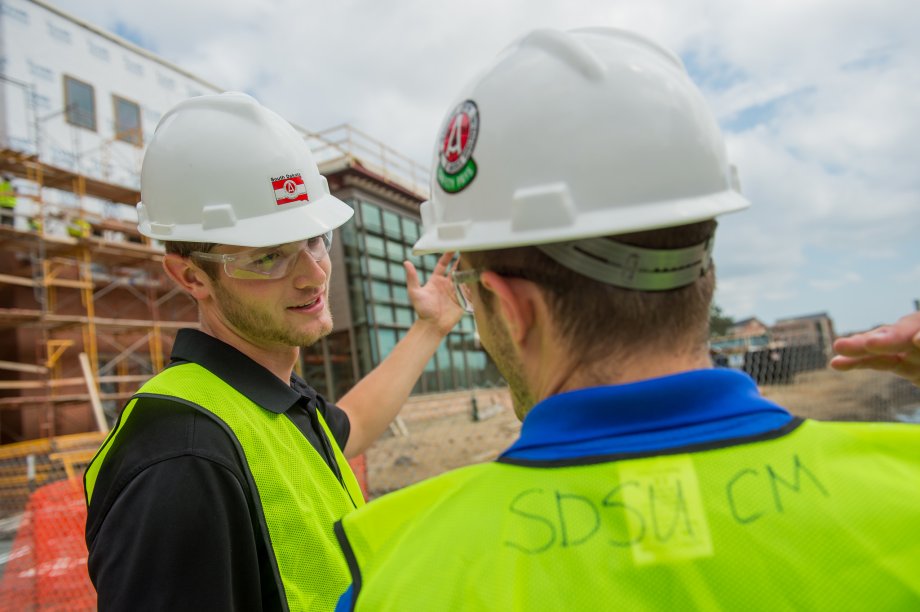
(289, 188)
(456, 167)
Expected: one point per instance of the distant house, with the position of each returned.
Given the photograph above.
(747, 328)
(809, 330)
(743, 336)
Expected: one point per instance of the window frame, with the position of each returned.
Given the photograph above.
(68, 111)
(138, 139)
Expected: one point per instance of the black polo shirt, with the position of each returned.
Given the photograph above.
(173, 524)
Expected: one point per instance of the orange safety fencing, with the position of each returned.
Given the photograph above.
(42, 520)
(47, 561)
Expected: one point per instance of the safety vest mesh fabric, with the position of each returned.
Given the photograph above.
(826, 517)
(300, 497)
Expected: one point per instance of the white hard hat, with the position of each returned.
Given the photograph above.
(224, 169)
(574, 135)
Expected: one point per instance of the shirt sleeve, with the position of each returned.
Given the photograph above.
(336, 419)
(178, 537)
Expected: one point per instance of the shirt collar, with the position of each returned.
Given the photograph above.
(672, 411)
(239, 371)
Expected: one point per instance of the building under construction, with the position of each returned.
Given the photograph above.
(86, 314)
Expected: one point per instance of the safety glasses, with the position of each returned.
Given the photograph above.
(267, 263)
(463, 281)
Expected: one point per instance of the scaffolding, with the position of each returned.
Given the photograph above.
(86, 310)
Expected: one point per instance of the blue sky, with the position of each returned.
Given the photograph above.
(818, 99)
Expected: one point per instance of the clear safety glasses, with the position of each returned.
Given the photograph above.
(268, 262)
(463, 281)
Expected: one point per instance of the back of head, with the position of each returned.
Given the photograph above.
(224, 169)
(589, 161)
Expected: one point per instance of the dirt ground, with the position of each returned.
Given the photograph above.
(852, 396)
(436, 444)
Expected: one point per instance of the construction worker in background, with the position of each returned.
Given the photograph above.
(78, 227)
(578, 178)
(891, 348)
(219, 485)
(7, 201)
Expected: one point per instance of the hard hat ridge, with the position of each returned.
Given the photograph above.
(568, 49)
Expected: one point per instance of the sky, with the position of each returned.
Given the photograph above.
(819, 101)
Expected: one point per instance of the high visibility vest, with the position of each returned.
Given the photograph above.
(7, 195)
(79, 228)
(299, 495)
(826, 517)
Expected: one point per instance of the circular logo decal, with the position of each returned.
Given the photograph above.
(290, 187)
(456, 168)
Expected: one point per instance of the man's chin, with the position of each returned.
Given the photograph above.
(312, 337)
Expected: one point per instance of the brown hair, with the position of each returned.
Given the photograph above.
(597, 319)
(185, 250)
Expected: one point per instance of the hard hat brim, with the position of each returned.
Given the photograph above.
(500, 234)
(297, 223)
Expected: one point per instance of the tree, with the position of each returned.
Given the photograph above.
(718, 321)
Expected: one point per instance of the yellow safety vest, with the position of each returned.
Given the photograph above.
(7, 195)
(826, 517)
(79, 228)
(299, 495)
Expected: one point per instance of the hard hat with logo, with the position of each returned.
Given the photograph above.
(576, 135)
(224, 169)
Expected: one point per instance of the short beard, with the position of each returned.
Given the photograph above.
(259, 326)
(505, 358)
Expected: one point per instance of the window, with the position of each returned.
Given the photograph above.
(395, 250)
(404, 316)
(401, 294)
(378, 267)
(80, 103)
(381, 290)
(397, 273)
(383, 314)
(387, 341)
(410, 230)
(375, 245)
(128, 121)
(370, 214)
(391, 224)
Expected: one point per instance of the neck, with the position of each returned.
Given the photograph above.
(571, 372)
(279, 360)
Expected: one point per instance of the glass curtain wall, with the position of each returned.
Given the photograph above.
(376, 244)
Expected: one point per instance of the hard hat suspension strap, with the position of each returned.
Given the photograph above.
(632, 267)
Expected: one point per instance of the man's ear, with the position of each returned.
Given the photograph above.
(517, 302)
(189, 277)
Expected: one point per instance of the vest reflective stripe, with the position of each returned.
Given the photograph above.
(823, 518)
(299, 495)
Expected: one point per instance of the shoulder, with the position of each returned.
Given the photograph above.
(158, 430)
(395, 511)
(900, 438)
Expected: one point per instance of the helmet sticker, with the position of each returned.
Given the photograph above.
(456, 168)
(289, 188)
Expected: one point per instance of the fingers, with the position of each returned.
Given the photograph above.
(443, 266)
(412, 281)
(901, 337)
(877, 362)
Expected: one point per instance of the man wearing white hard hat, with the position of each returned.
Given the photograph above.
(579, 177)
(219, 485)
